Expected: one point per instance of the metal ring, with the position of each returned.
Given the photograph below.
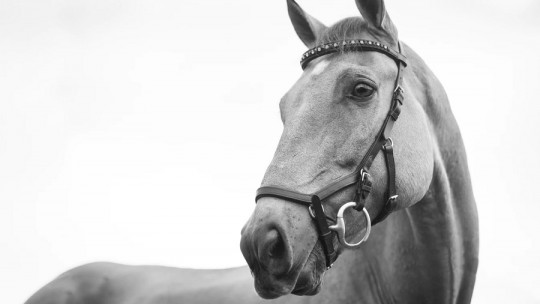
(339, 227)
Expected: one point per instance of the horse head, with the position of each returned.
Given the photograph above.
(331, 116)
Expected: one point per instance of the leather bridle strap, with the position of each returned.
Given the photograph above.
(388, 147)
(360, 176)
(326, 236)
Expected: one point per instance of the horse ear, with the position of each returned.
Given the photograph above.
(376, 16)
(307, 27)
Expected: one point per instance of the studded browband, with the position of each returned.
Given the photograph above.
(359, 45)
(360, 176)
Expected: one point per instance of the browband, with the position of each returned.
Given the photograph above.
(359, 45)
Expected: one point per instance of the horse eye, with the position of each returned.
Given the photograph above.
(363, 90)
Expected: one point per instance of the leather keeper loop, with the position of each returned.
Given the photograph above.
(395, 113)
(398, 96)
(327, 241)
(366, 188)
(359, 206)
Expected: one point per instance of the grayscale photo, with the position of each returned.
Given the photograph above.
(291, 151)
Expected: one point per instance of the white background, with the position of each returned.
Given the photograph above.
(137, 131)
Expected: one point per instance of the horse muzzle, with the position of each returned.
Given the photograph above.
(278, 243)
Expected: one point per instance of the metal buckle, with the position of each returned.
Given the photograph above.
(392, 198)
(312, 212)
(398, 92)
(363, 174)
(389, 139)
(339, 227)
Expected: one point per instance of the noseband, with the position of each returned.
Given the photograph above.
(360, 177)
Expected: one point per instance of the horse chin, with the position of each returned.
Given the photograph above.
(271, 293)
(307, 290)
(310, 279)
(305, 282)
(269, 286)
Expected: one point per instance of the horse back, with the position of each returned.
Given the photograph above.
(84, 284)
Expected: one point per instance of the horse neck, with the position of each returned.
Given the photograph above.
(450, 192)
(439, 234)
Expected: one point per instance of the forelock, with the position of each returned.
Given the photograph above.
(348, 28)
(352, 28)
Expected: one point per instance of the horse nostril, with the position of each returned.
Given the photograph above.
(276, 249)
(274, 253)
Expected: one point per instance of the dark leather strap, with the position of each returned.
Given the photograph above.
(293, 196)
(388, 148)
(325, 235)
(358, 45)
(390, 204)
(290, 195)
(363, 189)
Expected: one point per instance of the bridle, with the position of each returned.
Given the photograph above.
(360, 177)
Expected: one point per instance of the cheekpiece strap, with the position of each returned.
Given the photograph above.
(390, 204)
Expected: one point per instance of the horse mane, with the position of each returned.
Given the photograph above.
(355, 28)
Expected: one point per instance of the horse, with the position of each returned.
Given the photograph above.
(343, 144)
(342, 151)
